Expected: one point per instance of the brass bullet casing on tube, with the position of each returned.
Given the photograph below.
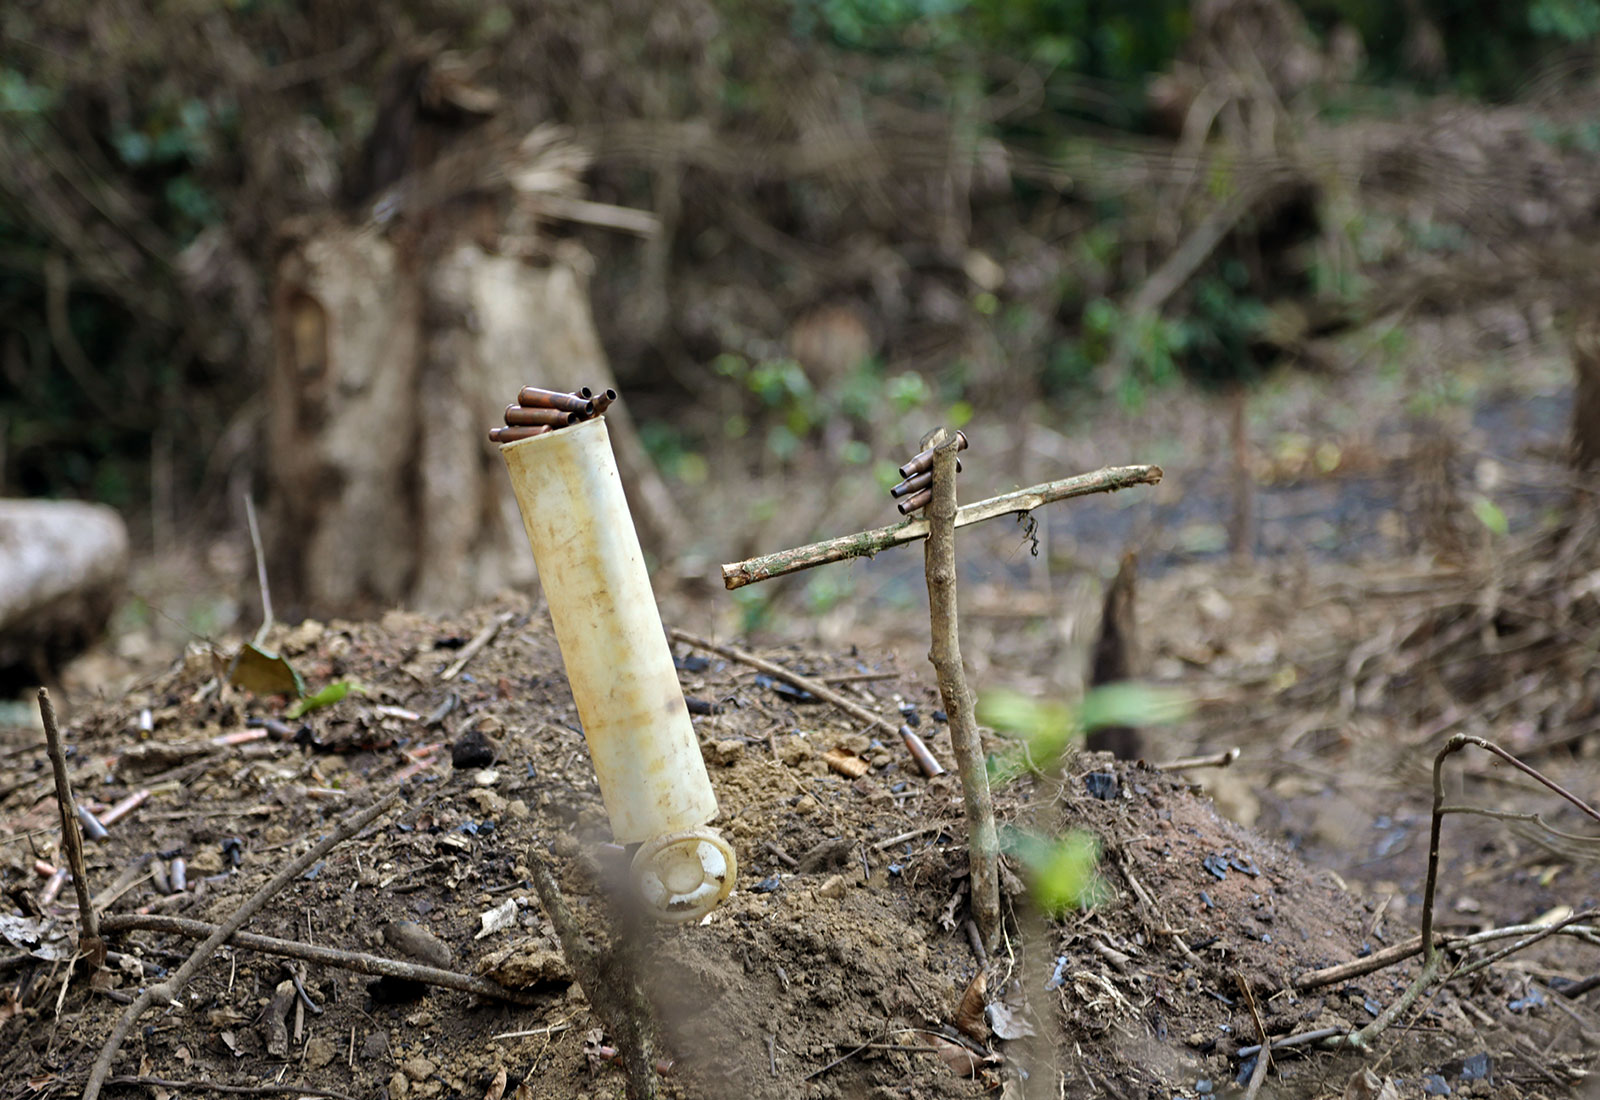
(521, 416)
(535, 398)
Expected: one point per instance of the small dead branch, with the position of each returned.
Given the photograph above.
(376, 965)
(1213, 760)
(232, 1090)
(168, 990)
(1432, 956)
(983, 843)
(867, 543)
(911, 834)
(1264, 1055)
(1571, 926)
(805, 683)
(261, 569)
(89, 942)
(470, 650)
(1288, 1042)
(1355, 968)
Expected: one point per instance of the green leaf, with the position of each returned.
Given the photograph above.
(1061, 871)
(1131, 704)
(324, 698)
(1017, 713)
(262, 672)
(1490, 515)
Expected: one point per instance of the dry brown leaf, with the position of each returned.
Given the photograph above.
(969, 1014)
(957, 1058)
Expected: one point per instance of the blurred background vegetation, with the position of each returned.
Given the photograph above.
(961, 198)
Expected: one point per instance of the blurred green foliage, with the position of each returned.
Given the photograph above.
(129, 134)
(1060, 870)
(1114, 42)
(789, 410)
(1043, 731)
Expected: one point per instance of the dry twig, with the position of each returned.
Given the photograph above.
(1264, 1055)
(479, 640)
(261, 570)
(376, 965)
(1432, 956)
(169, 989)
(804, 683)
(89, 941)
(1221, 759)
(232, 1090)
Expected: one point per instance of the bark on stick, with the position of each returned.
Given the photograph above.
(864, 544)
(939, 557)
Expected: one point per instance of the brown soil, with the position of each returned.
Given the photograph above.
(829, 978)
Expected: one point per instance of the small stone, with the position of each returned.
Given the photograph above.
(1102, 785)
(418, 1068)
(807, 804)
(416, 942)
(398, 1086)
(856, 744)
(795, 750)
(523, 965)
(833, 888)
(319, 1052)
(723, 753)
(517, 810)
(472, 749)
(489, 804)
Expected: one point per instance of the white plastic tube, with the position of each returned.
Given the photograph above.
(646, 755)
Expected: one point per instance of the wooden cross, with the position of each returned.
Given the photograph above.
(868, 543)
(938, 527)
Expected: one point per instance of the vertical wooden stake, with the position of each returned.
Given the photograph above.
(983, 844)
(89, 941)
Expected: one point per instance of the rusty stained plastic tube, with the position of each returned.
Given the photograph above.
(924, 460)
(646, 754)
(535, 398)
(523, 416)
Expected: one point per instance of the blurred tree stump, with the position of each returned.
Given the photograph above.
(401, 335)
(1116, 657)
(62, 567)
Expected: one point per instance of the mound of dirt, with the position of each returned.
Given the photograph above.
(835, 969)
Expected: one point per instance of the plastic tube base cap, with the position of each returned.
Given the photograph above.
(683, 876)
